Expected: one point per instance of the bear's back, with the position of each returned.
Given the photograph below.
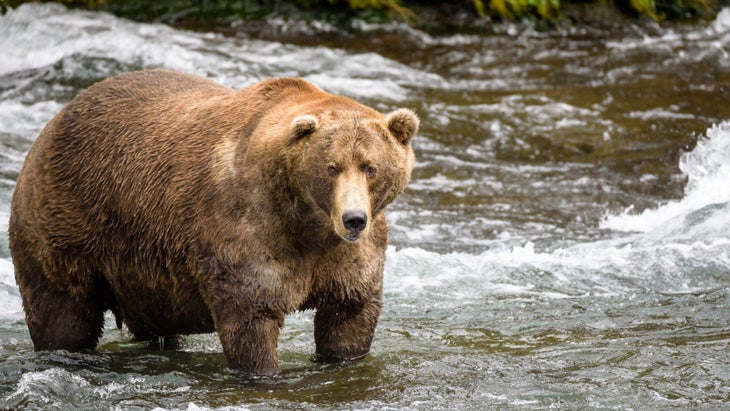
(134, 144)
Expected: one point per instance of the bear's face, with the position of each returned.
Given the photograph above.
(352, 164)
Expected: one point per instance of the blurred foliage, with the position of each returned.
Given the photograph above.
(543, 10)
(511, 9)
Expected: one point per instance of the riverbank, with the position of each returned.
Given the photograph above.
(431, 16)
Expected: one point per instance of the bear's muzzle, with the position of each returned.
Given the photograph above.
(355, 221)
(351, 210)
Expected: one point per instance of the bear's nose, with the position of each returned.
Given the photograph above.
(355, 220)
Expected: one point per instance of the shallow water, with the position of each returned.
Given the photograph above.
(565, 241)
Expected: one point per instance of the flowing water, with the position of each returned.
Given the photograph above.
(565, 241)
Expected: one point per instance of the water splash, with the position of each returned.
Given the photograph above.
(707, 169)
(679, 247)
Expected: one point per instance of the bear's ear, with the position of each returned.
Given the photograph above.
(302, 126)
(403, 123)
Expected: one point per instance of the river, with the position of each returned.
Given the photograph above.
(564, 242)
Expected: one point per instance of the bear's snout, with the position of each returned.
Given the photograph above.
(355, 222)
(351, 209)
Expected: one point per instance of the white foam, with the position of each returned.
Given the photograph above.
(57, 386)
(47, 386)
(660, 262)
(194, 407)
(707, 168)
(660, 113)
(722, 22)
(414, 271)
(25, 120)
(11, 306)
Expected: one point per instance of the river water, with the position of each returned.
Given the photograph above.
(564, 243)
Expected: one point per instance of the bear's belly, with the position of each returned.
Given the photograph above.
(154, 313)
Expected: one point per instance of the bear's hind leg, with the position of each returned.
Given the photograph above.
(55, 319)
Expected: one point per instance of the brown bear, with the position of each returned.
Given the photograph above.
(186, 207)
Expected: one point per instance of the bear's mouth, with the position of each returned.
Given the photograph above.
(352, 237)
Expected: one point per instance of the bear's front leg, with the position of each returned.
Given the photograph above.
(250, 344)
(248, 328)
(345, 331)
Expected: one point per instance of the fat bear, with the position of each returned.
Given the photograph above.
(186, 207)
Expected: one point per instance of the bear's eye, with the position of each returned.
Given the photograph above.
(333, 171)
(369, 171)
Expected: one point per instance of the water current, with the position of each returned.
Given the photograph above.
(564, 243)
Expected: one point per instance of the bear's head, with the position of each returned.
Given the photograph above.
(351, 163)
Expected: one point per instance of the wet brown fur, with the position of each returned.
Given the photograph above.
(186, 207)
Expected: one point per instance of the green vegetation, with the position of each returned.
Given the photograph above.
(383, 10)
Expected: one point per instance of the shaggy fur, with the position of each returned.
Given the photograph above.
(186, 207)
